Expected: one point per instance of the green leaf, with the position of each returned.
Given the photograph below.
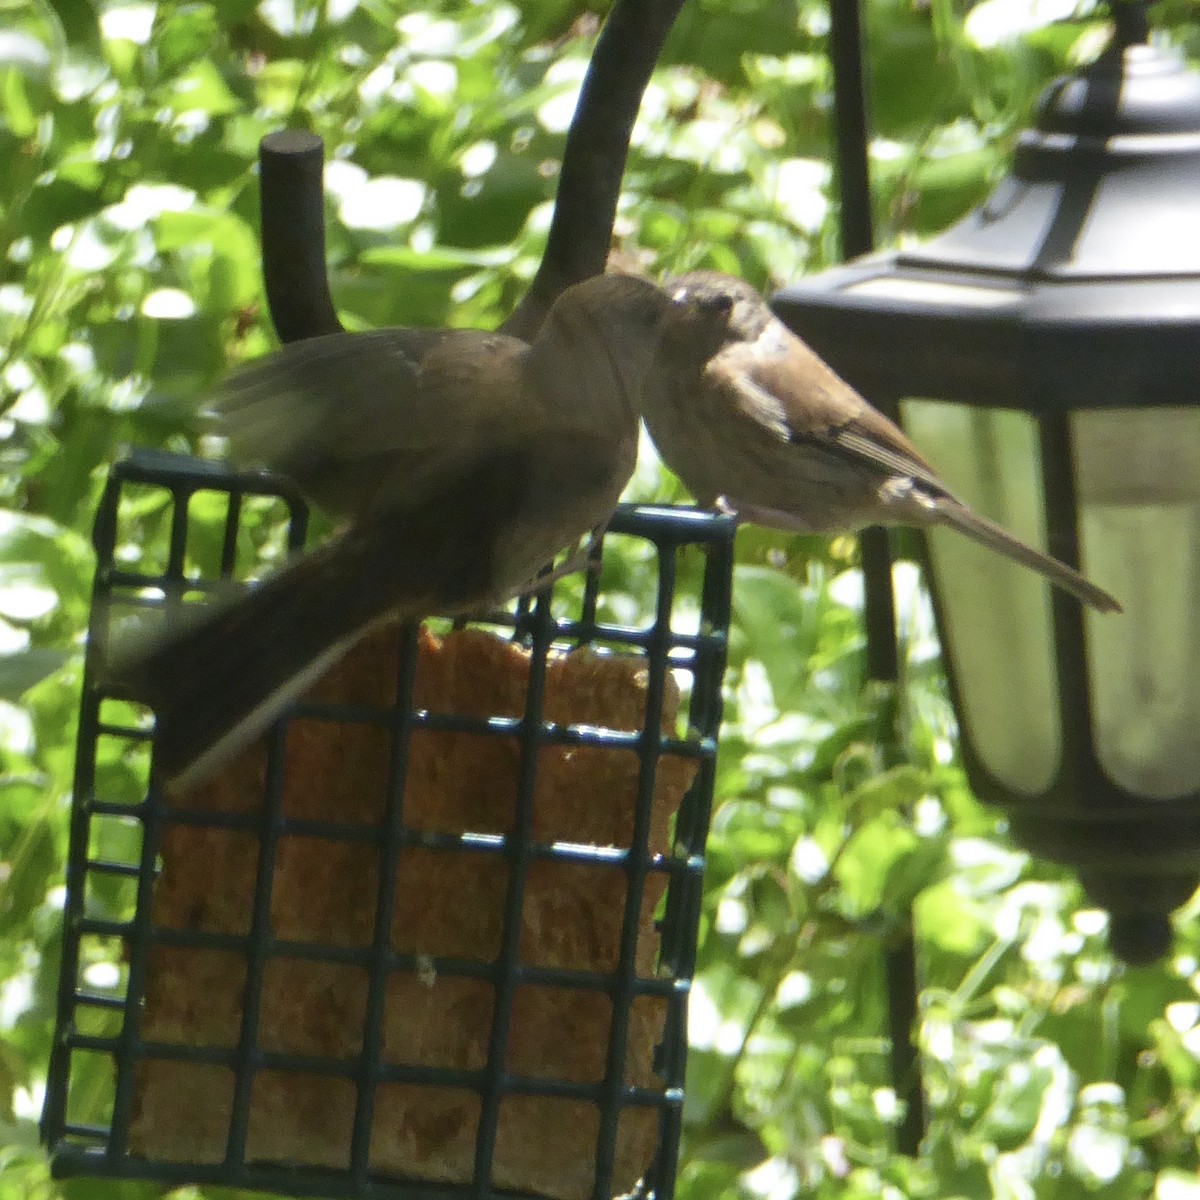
(896, 788)
(20, 671)
(32, 865)
(18, 112)
(78, 20)
(779, 627)
(869, 856)
(202, 89)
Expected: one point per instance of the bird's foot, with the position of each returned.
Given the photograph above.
(772, 518)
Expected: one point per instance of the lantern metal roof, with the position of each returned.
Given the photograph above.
(1076, 284)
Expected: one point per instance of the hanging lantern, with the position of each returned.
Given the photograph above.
(1044, 353)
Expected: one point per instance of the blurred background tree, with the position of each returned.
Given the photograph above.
(129, 281)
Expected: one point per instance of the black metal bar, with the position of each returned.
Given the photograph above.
(102, 867)
(247, 1055)
(1132, 21)
(1062, 541)
(846, 51)
(497, 727)
(233, 522)
(685, 897)
(518, 843)
(858, 237)
(591, 588)
(303, 1181)
(54, 1113)
(139, 938)
(636, 871)
(900, 966)
(850, 127)
(426, 1076)
(368, 1073)
(879, 605)
(90, 1000)
(138, 943)
(292, 202)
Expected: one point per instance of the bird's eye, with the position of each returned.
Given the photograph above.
(720, 305)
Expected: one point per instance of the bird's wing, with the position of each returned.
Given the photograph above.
(348, 416)
(809, 403)
(342, 386)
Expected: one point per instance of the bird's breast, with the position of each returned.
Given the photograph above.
(572, 482)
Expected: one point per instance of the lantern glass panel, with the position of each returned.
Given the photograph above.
(1138, 488)
(995, 616)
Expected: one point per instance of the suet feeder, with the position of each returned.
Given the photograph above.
(434, 935)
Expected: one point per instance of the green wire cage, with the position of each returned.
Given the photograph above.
(308, 1066)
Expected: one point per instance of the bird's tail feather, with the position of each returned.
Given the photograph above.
(216, 681)
(995, 537)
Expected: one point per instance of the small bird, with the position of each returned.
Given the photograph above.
(461, 463)
(764, 429)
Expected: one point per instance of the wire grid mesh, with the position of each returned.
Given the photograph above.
(119, 821)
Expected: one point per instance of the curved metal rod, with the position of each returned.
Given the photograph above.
(292, 198)
(593, 163)
(1131, 22)
(292, 203)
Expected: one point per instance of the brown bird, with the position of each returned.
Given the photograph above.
(764, 429)
(464, 460)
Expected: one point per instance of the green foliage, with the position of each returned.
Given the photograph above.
(129, 282)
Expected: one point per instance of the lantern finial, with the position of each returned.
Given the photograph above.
(1140, 938)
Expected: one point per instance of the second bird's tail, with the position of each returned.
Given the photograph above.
(995, 537)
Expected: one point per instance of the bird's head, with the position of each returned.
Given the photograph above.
(625, 307)
(608, 326)
(711, 309)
